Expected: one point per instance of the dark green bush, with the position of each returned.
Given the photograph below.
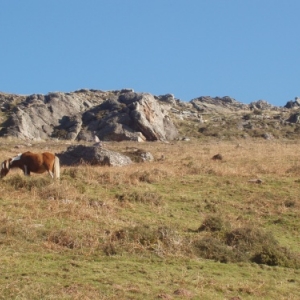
(213, 248)
(276, 256)
(249, 239)
(213, 223)
(242, 244)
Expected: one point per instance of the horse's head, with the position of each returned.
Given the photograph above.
(4, 168)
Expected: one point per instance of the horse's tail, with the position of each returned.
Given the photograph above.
(56, 168)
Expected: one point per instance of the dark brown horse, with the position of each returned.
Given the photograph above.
(33, 162)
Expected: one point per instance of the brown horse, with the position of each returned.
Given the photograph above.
(33, 162)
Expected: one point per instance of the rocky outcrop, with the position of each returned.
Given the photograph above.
(116, 115)
(293, 104)
(130, 116)
(121, 115)
(218, 104)
(40, 117)
(262, 105)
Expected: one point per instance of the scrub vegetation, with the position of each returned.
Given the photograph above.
(184, 226)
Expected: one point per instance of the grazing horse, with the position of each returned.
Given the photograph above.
(33, 162)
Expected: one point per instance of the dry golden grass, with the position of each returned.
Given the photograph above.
(130, 232)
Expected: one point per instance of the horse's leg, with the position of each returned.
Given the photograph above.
(51, 174)
(26, 171)
(48, 169)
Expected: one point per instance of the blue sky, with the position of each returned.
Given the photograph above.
(246, 49)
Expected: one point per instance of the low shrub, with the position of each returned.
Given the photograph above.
(249, 239)
(159, 240)
(213, 223)
(242, 244)
(213, 248)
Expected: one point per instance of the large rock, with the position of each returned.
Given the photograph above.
(150, 120)
(131, 116)
(40, 117)
(93, 155)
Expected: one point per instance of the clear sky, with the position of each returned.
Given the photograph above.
(245, 49)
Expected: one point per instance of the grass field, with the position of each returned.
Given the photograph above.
(182, 227)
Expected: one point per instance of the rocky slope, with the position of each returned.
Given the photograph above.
(126, 115)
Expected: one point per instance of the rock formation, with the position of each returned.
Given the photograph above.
(116, 115)
(92, 155)
(125, 115)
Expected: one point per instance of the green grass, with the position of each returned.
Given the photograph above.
(69, 276)
(188, 227)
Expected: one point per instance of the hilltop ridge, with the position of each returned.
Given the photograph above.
(127, 115)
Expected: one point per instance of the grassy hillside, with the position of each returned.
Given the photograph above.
(182, 227)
